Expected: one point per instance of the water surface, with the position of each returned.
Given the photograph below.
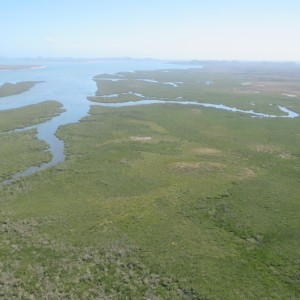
(71, 83)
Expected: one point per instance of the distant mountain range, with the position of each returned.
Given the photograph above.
(193, 62)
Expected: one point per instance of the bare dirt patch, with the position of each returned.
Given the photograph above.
(286, 155)
(141, 138)
(264, 148)
(245, 173)
(187, 165)
(206, 151)
(191, 165)
(289, 88)
(248, 173)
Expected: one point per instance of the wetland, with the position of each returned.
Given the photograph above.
(195, 196)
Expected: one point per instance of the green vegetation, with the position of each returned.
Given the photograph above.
(160, 202)
(123, 97)
(8, 89)
(11, 119)
(249, 87)
(20, 150)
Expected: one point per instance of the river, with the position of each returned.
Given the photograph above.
(71, 83)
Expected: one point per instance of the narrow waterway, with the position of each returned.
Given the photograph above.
(71, 84)
(289, 113)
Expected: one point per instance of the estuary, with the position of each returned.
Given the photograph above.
(71, 83)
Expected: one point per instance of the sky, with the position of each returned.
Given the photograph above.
(165, 29)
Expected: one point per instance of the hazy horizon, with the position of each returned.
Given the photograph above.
(173, 30)
(10, 59)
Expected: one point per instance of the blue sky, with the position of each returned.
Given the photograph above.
(172, 29)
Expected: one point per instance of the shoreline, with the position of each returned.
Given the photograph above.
(20, 67)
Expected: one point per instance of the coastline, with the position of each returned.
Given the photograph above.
(9, 89)
(20, 67)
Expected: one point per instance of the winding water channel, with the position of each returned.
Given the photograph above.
(71, 83)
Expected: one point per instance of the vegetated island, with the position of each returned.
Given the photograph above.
(9, 89)
(28, 115)
(19, 67)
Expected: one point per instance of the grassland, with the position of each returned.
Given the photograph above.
(159, 202)
(8, 89)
